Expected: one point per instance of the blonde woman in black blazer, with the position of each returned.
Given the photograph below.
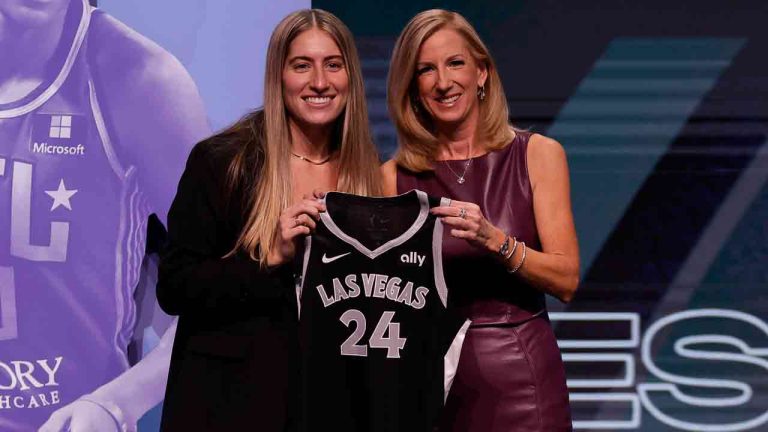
(243, 202)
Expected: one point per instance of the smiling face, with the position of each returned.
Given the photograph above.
(315, 80)
(447, 78)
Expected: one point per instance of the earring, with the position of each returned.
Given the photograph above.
(481, 92)
(414, 105)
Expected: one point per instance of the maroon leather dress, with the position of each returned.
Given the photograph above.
(510, 375)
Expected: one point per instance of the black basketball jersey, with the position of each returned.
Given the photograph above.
(379, 344)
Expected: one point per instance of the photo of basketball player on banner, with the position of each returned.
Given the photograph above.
(84, 102)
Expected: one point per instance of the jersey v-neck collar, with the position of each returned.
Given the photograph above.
(397, 241)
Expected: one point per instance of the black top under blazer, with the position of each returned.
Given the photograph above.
(234, 357)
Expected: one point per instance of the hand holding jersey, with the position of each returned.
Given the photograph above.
(467, 222)
(296, 222)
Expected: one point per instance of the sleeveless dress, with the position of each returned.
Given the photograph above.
(510, 375)
(72, 239)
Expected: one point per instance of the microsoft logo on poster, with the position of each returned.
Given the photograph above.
(61, 126)
(58, 134)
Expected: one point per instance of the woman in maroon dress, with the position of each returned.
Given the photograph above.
(510, 236)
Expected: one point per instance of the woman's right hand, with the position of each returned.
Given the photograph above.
(295, 222)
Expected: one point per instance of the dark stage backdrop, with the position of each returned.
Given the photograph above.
(662, 108)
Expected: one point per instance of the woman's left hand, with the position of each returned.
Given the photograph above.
(467, 222)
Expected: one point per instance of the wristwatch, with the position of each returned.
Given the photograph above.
(504, 249)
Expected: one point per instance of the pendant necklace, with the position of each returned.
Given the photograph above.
(460, 178)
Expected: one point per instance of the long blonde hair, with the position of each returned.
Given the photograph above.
(358, 160)
(418, 143)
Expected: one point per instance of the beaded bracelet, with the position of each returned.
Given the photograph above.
(522, 260)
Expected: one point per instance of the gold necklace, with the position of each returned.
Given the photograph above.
(306, 159)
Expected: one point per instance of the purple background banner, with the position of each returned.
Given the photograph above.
(98, 111)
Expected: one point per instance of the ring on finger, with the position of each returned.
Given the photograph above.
(298, 221)
(463, 213)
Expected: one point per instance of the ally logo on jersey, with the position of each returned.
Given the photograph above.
(58, 135)
(408, 258)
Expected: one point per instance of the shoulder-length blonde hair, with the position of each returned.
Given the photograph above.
(358, 160)
(418, 142)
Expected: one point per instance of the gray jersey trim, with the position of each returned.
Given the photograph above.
(451, 359)
(123, 232)
(300, 282)
(437, 256)
(101, 127)
(77, 42)
(437, 260)
(333, 228)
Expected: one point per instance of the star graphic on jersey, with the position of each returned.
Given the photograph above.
(61, 196)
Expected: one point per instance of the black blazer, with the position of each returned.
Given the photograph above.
(234, 357)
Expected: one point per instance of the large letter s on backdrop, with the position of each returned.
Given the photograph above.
(708, 353)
